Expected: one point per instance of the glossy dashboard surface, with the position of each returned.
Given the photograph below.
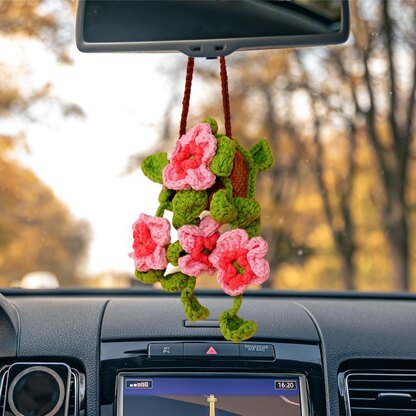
(77, 327)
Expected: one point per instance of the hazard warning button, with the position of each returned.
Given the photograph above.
(214, 351)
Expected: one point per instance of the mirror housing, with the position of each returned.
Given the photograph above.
(208, 28)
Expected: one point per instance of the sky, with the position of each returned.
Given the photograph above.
(124, 97)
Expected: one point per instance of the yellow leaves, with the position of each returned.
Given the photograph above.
(23, 17)
(10, 98)
(37, 231)
(374, 270)
(320, 238)
(304, 219)
(326, 191)
(321, 272)
(6, 144)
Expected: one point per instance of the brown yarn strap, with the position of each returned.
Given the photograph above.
(187, 96)
(225, 97)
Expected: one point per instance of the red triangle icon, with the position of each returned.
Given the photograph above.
(211, 351)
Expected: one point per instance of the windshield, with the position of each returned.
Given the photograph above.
(338, 206)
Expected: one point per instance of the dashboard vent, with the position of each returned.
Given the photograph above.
(76, 392)
(73, 396)
(3, 372)
(380, 394)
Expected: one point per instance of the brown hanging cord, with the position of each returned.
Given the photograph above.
(186, 96)
(225, 97)
(224, 91)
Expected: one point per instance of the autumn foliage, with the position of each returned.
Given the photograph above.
(338, 208)
(339, 205)
(37, 231)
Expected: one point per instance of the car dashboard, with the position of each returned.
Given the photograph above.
(324, 354)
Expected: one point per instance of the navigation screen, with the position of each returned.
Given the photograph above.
(210, 396)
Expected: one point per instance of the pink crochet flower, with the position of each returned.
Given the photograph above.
(151, 237)
(189, 162)
(198, 242)
(240, 261)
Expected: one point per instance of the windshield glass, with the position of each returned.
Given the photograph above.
(338, 206)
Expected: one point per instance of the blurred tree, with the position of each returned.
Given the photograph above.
(257, 101)
(337, 206)
(37, 232)
(362, 91)
(48, 21)
(335, 183)
(380, 68)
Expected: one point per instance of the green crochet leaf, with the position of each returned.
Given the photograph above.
(174, 282)
(253, 229)
(152, 166)
(194, 311)
(150, 277)
(173, 253)
(235, 328)
(187, 207)
(213, 124)
(222, 207)
(248, 210)
(262, 155)
(165, 198)
(222, 163)
(178, 221)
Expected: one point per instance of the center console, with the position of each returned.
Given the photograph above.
(201, 377)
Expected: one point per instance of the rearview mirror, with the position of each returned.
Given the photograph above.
(208, 28)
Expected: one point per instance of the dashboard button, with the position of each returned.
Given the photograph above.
(202, 350)
(169, 350)
(257, 351)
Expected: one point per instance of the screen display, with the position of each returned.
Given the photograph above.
(216, 395)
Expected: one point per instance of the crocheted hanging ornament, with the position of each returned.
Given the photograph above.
(208, 181)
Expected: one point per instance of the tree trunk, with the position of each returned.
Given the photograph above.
(397, 230)
(348, 271)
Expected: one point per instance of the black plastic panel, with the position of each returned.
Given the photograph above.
(9, 328)
(67, 325)
(64, 328)
(132, 356)
(359, 329)
(156, 318)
